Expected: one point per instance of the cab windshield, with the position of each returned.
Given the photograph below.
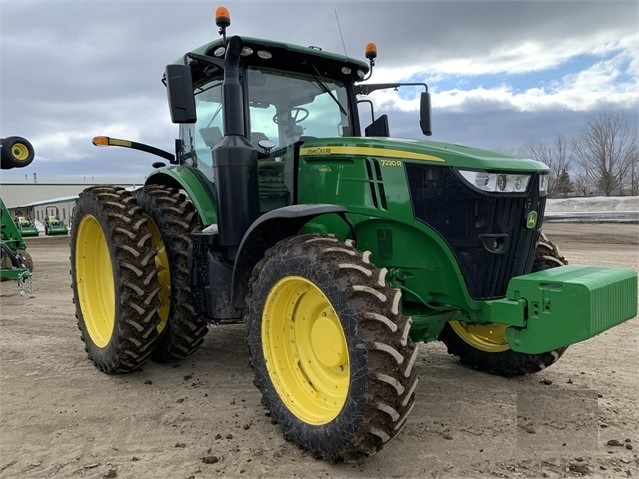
(283, 109)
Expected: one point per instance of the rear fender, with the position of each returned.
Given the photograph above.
(199, 188)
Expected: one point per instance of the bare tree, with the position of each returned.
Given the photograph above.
(555, 156)
(632, 183)
(581, 184)
(606, 149)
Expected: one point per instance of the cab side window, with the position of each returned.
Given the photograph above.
(199, 139)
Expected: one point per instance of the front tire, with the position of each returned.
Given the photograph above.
(172, 220)
(114, 279)
(330, 348)
(484, 346)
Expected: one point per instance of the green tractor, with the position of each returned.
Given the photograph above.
(15, 262)
(26, 226)
(53, 225)
(338, 247)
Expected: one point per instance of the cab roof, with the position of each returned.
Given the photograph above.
(290, 57)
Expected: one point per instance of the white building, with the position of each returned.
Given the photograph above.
(52, 196)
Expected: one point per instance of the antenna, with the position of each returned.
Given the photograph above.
(340, 32)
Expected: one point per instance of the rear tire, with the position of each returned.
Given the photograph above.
(484, 347)
(330, 348)
(17, 152)
(114, 279)
(173, 219)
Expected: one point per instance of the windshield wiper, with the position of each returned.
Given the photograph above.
(324, 87)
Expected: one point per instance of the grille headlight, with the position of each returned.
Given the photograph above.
(496, 182)
(543, 184)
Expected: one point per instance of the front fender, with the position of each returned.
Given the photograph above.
(267, 231)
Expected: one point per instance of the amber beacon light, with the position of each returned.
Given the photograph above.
(371, 51)
(222, 17)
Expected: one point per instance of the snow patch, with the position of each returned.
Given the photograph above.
(593, 204)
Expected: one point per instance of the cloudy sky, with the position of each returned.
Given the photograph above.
(500, 72)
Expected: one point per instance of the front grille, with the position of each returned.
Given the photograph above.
(468, 219)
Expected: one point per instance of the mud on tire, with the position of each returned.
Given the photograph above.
(329, 347)
(182, 330)
(507, 362)
(114, 279)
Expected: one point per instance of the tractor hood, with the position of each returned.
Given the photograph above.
(422, 150)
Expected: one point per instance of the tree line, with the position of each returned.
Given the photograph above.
(603, 159)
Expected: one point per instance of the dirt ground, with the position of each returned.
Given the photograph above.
(202, 417)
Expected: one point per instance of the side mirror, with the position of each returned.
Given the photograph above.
(179, 88)
(424, 114)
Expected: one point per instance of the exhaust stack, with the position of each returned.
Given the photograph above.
(234, 160)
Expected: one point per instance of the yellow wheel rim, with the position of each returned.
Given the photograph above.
(305, 350)
(94, 280)
(20, 151)
(164, 274)
(485, 337)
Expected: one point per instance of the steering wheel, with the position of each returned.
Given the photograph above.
(297, 114)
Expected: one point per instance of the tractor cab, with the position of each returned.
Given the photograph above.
(282, 111)
(290, 95)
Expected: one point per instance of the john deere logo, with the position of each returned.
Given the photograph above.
(531, 220)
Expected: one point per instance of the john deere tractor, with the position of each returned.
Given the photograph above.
(15, 261)
(339, 247)
(53, 225)
(26, 226)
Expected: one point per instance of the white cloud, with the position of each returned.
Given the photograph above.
(516, 58)
(66, 144)
(606, 83)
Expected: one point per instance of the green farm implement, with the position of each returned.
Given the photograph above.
(15, 262)
(338, 246)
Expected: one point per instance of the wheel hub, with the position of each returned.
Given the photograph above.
(327, 340)
(20, 151)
